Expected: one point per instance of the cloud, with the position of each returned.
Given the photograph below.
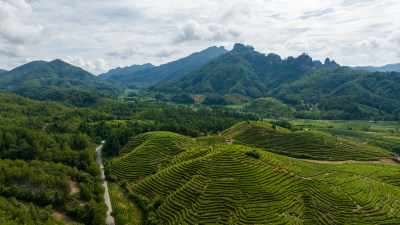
(98, 65)
(193, 31)
(127, 32)
(15, 29)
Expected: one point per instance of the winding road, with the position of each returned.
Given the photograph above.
(109, 218)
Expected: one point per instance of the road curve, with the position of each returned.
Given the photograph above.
(109, 218)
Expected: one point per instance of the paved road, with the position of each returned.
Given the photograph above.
(109, 218)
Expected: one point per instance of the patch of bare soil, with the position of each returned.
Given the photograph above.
(388, 161)
(74, 188)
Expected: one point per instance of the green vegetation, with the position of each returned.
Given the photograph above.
(227, 186)
(14, 212)
(124, 210)
(390, 143)
(308, 89)
(212, 180)
(270, 107)
(302, 144)
(155, 152)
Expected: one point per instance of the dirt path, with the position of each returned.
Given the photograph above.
(382, 160)
(109, 218)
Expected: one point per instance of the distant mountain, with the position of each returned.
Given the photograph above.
(2, 71)
(55, 73)
(241, 71)
(126, 70)
(386, 68)
(163, 73)
(313, 89)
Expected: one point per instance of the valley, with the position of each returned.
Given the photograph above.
(217, 137)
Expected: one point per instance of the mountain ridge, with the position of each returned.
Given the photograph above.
(165, 72)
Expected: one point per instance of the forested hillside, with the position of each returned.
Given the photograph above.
(313, 89)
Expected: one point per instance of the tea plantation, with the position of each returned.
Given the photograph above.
(178, 180)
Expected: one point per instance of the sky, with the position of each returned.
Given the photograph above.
(99, 35)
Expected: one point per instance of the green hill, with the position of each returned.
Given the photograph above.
(210, 181)
(55, 73)
(147, 154)
(302, 144)
(226, 186)
(270, 107)
(163, 73)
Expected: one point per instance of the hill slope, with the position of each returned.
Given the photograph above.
(55, 73)
(165, 72)
(211, 182)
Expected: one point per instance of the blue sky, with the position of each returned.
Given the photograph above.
(102, 34)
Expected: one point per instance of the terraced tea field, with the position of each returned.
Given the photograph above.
(207, 181)
(147, 154)
(305, 144)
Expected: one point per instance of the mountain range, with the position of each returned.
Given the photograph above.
(339, 92)
(219, 76)
(139, 76)
(387, 68)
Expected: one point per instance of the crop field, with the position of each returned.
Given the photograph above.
(147, 154)
(226, 186)
(303, 144)
(236, 178)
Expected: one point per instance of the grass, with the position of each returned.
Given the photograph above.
(127, 212)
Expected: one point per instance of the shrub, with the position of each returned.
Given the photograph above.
(253, 153)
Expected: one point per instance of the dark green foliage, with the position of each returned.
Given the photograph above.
(14, 212)
(253, 153)
(214, 100)
(281, 123)
(163, 73)
(112, 146)
(182, 98)
(71, 96)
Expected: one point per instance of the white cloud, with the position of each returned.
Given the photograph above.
(126, 32)
(98, 65)
(15, 30)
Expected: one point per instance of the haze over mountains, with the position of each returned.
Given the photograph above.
(144, 75)
(387, 68)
